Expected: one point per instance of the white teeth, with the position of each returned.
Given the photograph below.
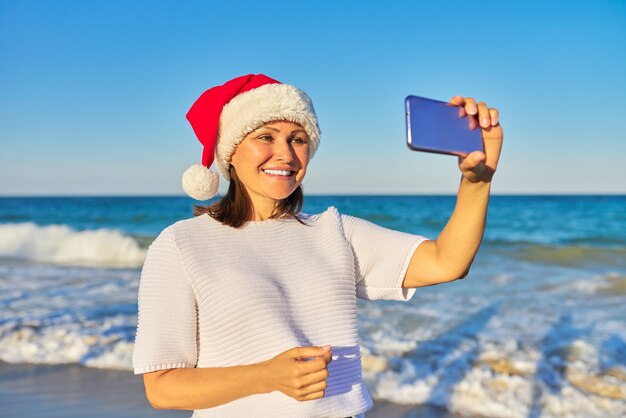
(278, 172)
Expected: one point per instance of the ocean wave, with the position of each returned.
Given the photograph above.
(492, 359)
(61, 244)
(516, 382)
(612, 283)
(569, 255)
(467, 371)
(65, 344)
(59, 314)
(467, 375)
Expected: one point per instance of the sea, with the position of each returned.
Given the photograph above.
(536, 329)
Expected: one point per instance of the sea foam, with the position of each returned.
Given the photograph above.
(60, 244)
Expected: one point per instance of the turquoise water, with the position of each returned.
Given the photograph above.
(592, 220)
(538, 328)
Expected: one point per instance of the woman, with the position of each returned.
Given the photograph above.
(249, 308)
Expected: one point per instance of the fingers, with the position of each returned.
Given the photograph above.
(312, 359)
(309, 352)
(302, 381)
(480, 165)
(328, 356)
(473, 164)
(314, 378)
(478, 113)
(494, 116)
(468, 108)
(472, 110)
(486, 116)
(483, 115)
(310, 376)
(300, 372)
(469, 104)
(315, 391)
(457, 101)
(312, 366)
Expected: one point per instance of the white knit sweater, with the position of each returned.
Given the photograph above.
(214, 296)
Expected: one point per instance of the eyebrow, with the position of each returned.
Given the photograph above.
(278, 130)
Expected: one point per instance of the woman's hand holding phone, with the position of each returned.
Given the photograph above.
(480, 166)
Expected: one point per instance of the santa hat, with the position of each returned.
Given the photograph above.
(223, 115)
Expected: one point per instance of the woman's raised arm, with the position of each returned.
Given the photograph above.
(451, 255)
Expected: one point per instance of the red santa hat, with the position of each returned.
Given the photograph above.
(223, 115)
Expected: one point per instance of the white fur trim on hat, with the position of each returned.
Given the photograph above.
(200, 183)
(251, 109)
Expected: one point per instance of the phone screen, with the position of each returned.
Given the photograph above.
(435, 126)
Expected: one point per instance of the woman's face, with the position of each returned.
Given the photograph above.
(271, 161)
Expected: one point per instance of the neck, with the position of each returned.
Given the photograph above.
(263, 210)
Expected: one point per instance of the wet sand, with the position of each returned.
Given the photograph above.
(72, 391)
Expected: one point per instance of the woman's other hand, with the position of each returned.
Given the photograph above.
(299, 372)
(478, 166)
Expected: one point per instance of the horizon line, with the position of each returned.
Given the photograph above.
(16, 196)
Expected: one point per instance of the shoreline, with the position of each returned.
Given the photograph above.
(69, 390)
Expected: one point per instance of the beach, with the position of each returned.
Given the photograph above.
(73, 391)
(61, 391)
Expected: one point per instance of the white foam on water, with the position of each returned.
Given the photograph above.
(609, 283)
(58, 314)
(499, 383)
(60, 244)
(558, 352)
(59, 345)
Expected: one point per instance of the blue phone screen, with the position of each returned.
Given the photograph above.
(435, 126)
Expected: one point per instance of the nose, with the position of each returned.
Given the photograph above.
(283, 151)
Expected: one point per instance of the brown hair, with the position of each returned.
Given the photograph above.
(235, 208)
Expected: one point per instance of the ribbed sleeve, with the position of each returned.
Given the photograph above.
(382, 257)
(166, 323)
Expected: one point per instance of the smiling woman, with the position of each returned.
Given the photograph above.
(249, 308)
(250, 125)
(271, 162)
(266, 172)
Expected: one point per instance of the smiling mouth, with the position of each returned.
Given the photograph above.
(282, 173)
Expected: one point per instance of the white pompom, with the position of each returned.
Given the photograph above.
(200, 183)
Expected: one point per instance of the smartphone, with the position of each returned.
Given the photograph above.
(435, 126)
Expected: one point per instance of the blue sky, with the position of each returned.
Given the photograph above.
(93, 94)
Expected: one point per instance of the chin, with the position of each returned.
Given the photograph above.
(280, 195)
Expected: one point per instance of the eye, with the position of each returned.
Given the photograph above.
(265, 137)
(299, 140)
